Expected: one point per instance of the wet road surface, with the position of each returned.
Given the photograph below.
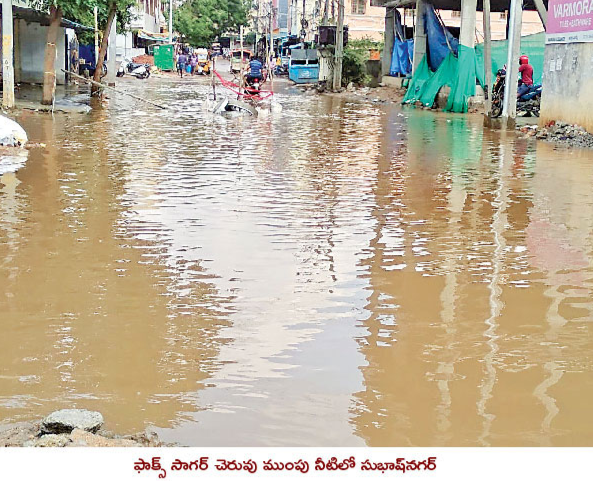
(340, 273)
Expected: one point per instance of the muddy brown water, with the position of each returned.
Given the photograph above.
(342, 273)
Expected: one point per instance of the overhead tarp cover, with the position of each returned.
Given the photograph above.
(439, 40)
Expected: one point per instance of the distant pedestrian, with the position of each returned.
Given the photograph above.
(181, 63)
(193, 62)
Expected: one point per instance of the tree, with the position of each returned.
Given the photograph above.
(200, 21)
(80, 11)
(57, 10)
(49, 72)
(122, 9)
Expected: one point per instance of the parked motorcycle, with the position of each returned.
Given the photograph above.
(527, 105)
(138, 70)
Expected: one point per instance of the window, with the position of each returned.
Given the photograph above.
(359, 7)
(455, 13)
(503, 15)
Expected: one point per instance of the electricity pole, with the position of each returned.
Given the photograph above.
(271, 41)
(339, 52)
(170, 21)
(304, 22)
(7, 56)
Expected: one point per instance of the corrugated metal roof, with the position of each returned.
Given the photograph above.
(42, 18)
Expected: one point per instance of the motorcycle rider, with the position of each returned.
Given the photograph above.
(526, 72)
(255, 70)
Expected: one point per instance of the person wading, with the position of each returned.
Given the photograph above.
(181, 63)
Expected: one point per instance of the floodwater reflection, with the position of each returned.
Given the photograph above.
(342, 273)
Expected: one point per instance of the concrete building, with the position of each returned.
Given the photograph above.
(147, 18)
(30, 37)
(281, 28)
(568, 61)
(363, 19)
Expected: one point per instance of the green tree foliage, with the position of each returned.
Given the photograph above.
(356, 55)
(199, 22)
(82, 11)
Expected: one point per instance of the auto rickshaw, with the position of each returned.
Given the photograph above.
(236, 60)
(203, 66)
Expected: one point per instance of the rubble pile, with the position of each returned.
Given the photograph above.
(70, 428)
(149, 59)
(565, 133)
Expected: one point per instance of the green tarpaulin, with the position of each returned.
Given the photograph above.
(464, 84)
(464, 72)
(457, 73)
(531, 45)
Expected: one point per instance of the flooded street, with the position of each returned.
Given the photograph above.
(342, 273)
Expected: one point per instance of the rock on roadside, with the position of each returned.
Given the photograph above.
(66, 420)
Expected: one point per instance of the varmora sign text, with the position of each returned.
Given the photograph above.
(569, 21)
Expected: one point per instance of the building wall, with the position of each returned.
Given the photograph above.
(370, 24)
(147, 16)
(282, 17)
(498, 23)
(32, 40)
(125, 48)
(568, 91)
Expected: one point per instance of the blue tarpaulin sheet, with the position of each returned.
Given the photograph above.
(401, 59)
(440, 41)
(87, 52)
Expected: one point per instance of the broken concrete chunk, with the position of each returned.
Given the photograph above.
(65, 420)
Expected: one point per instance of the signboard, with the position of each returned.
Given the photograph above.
(570, 21)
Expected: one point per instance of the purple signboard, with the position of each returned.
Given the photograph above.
(569, 21)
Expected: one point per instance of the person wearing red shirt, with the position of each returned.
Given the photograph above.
(526, 72)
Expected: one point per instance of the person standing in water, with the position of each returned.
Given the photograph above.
(181, 63)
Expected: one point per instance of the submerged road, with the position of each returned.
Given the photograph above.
(340, 273)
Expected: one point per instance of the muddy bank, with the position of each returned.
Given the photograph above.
(380, 94)
(70, 428)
